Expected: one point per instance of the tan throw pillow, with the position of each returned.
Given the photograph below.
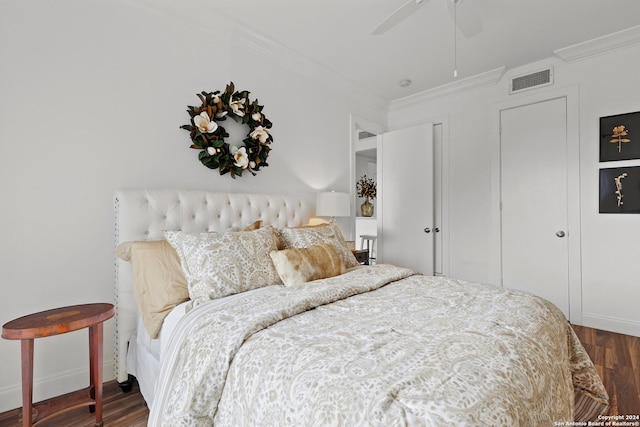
(254, 226)
(303, 265)
(295, 238)
(217, 265)
(159, 283)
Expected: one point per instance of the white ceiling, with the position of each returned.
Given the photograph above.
(337, 34)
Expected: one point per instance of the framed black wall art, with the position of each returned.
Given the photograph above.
(620, 137)
(620, 190)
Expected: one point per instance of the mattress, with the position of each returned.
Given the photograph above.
(145, 354)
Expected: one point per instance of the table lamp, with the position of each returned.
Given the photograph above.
(333, 204)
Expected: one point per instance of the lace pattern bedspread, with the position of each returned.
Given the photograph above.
(377, 346)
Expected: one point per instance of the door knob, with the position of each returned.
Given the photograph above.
(560, 233)
(427, 230)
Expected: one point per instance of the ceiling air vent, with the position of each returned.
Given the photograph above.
(532, 80)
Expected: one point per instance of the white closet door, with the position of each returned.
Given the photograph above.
(533, 145)
(405, 203)
(438, 200)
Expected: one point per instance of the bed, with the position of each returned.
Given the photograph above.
(338, 343)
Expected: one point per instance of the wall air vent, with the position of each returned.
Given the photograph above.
(364, 134)
(531, 81)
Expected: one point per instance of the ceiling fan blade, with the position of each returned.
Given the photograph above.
(467, 16)
(399, 15)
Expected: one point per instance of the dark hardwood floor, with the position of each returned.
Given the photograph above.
(616, 357)
(119, 410)
(617, 360)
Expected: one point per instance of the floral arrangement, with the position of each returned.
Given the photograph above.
(366, 187)
(208, 135)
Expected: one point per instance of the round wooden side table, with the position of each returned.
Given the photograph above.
(55, 322)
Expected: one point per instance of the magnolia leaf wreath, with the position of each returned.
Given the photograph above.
(208, 135)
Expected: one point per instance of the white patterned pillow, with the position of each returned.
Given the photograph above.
(221, 264)
(295, 238)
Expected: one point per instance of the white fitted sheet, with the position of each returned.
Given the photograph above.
(145, 354)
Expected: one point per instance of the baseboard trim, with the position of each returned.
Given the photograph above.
(53, 385)
(613, 324)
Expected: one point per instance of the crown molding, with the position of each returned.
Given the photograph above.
(298, 62)
(600, 45)
(263, 45)
(189, 14)
(488, 78)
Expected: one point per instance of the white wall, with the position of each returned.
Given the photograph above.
(610, 271)
(92, 95)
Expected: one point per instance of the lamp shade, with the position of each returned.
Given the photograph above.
(333, 204)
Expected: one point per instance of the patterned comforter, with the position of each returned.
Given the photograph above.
(376, 346)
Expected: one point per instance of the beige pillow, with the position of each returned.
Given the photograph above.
(303, 265)
(253, 226)
(217, 265)
(295, 238)
(159, 283)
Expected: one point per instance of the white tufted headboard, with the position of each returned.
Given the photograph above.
(145, 214)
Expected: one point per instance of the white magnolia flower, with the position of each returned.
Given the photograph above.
(252, 164)
(260, 133)
(256, 116)
(221, 113)
(204, 123)
(240, 156)
(211, 151)
(237, 107)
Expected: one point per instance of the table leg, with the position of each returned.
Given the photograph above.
(95, 362)
(27, 381)
(92, 389)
